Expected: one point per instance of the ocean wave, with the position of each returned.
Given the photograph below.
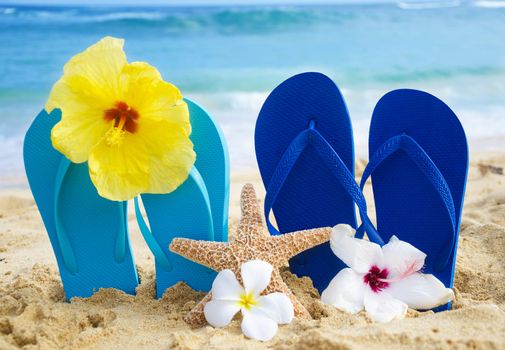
(121, 16)
(7, 10)
(230, 18)
(79, 15)
(43, 15)
(429, 4)
(415, 75)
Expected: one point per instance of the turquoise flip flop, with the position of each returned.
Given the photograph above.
(88, 233)
(198, 209)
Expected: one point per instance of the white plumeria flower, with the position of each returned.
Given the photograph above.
(260, 314)
(384, 281)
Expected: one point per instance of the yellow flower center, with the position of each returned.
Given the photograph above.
(125, 118)
(246, 301)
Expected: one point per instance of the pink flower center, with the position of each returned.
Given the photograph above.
(375, 278)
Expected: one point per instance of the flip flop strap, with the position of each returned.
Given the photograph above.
(161, 257)
(333, 162)
(429, 169)
(66, 249)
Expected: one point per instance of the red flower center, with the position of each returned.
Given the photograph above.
(374, 278)
(124, 117)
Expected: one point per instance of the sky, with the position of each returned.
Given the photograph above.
(179, 2)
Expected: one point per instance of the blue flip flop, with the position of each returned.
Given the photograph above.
(305, 153)
(88, 233)
(419, 165)
(198, 209)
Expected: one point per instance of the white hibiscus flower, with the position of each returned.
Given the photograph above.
(383, 281)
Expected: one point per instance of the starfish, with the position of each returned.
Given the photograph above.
(252, 242)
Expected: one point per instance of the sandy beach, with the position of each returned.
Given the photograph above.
(34, 314)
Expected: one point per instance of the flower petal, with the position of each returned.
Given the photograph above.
(219, 313)
(358, 254)
(278, 307)
(92, 74)
(161, 110)
(89, 86)
(421, 291)
(401, 257)
(98, 69)
(256, 275)
(346, 291)
(257, 325)
(154, 98)
(155, 159)
(171, 154)
(382, 307)
(119, 172)
(81, 128)
(226, 287)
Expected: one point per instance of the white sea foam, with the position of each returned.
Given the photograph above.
(11, 160)
(236, 112)
(489, 4)
(7, 10)
(433, 4)
(76, 15)
(117, 16)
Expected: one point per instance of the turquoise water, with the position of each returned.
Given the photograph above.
(228, 58)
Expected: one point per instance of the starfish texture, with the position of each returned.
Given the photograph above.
(252, 242)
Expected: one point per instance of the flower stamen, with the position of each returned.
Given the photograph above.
(247, 301)
(125, 119)
(375, 278)
(114, 136)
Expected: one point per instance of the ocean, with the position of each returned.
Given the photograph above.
(229, 58)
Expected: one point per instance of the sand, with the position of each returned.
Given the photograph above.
(34, 314)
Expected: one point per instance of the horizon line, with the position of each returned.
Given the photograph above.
(203, 4)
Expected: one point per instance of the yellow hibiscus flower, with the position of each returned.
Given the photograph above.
(131, 126)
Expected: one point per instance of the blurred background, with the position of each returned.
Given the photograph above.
(228, 58)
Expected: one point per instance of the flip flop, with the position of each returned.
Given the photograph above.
(305, 153)
(198, 209)
(88, 233)
(419, 166)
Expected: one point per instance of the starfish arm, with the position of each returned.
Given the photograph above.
(251, 214)
(210, 254)
(291, 244)
(278, 285)
(196, 317)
